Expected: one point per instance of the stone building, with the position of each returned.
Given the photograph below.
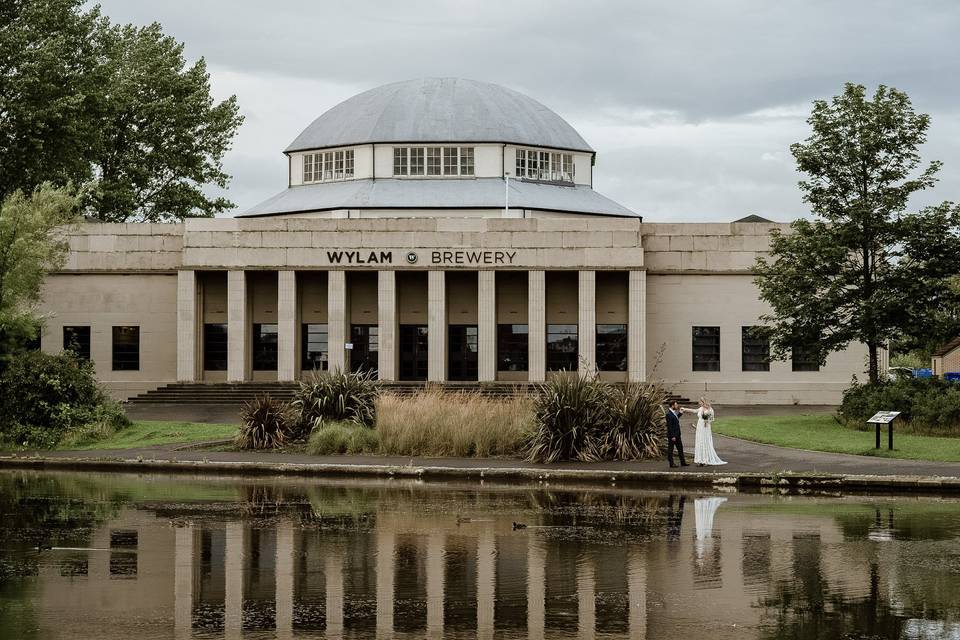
(435, 229)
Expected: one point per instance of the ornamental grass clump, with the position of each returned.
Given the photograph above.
(639, 424)
(335, 397)
(572, 416)
(265, 423)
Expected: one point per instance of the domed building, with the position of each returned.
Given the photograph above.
(442, 230)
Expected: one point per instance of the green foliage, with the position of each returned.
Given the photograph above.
(44, 398)
(572, 414)
(32, 244)
(863, 270)
(265, 423)
(335, 396)
(640, 426)
(117, 107)
(928, 406)
(334, 438)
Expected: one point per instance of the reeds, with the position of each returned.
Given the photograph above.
(264, 424)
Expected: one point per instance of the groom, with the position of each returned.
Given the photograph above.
(673, 434)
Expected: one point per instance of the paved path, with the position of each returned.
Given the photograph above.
(742, 456)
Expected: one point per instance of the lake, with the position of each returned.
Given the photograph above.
(114, 556)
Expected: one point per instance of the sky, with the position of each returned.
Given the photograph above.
(690, 105)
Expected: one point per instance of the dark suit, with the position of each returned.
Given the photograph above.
(674, 437)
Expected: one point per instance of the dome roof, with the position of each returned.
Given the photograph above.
(439, 110)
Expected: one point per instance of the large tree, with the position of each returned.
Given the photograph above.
(114, 108)
(863, 269)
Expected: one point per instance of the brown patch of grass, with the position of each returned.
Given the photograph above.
(438, 423)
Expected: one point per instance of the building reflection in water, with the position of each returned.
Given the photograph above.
(620, 567)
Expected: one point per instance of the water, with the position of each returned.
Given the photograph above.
(153, 556)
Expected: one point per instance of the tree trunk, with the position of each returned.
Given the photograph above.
(874, 369)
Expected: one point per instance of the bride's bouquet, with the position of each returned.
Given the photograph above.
(707, 415)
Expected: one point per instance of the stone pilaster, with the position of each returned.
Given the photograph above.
(234, 568)
(637, 327)
(487, 325)
(436, 326)
(536, 588)
(188, 326)
(333, 572)
(537, 325)
(586, 600)
(486, 582)
(387, 324)
(285, 575)
(587, 325)
(337, 320)
(386, 543)
(287, 365)
(238, 327)
(436, 587)
(185, 553)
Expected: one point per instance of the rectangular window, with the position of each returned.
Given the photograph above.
(611, 347)
(77, 339)
(544, 165)
(533, 165)
(521, 163)
(215, 347)
(126, 348)
(805, 359)
(399, 161)
(416, 161)
(348, 167)
(450, 161)
(513, 347)
(338, 165)
(706, 348)
(755, 349)
(433, 161)
(466, 161)
(308, 167)
(264, 347)
(313, 344)
(566, 167)
(562, 347)
(327, 166)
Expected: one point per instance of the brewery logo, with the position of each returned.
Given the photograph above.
(412, 257)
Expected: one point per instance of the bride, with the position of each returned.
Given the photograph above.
(704, 453)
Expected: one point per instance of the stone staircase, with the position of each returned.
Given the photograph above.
(233, 393)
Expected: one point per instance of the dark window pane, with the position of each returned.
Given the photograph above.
(214, 347)
(462, 346)
(264, 347)
(364, 357)
(513, 347)
(314, 347)
(562, 347)
(756, 350)
(413, 352)
(126, 348)
(611, 347)
(706, 348)
(77, 339)
(805, 359)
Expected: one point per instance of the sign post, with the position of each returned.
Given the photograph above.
(884, 418)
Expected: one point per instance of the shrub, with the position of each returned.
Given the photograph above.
(45, 397)
(572, 414)
(639, 424)
(928, 406)
(264, 424)
(335, 396)
(439, 423)
(333, 438)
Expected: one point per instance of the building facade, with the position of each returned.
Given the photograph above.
(438, 230)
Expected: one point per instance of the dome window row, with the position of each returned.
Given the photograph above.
(545, 165)
(433, 161)
(328, 166)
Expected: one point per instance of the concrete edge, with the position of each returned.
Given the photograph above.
(786, 481)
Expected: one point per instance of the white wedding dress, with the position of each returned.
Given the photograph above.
(703, 452)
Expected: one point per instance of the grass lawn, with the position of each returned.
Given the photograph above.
(821, 432)
(146, 433)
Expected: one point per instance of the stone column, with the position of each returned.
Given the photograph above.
(386, 542)
(436, 326)
(333, 571)
(486, 582)
(637, 594)
(387, 324)
(287, 361)
(586, 600)
(337, 320)
(537, 325)
(187, 326)
(637, 327)
(234, 569)
(284, 574)
(587, 326)
(183, 583)
(536, 588)
(436, 544)
(238, 327)
(487, 325)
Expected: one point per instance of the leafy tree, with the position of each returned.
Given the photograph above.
(863, 269)
(114, 108)
(31, 245)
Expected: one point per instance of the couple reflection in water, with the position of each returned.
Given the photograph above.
(704, 510)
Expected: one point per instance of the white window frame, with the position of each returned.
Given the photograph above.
(434, 161)
(328, 166)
